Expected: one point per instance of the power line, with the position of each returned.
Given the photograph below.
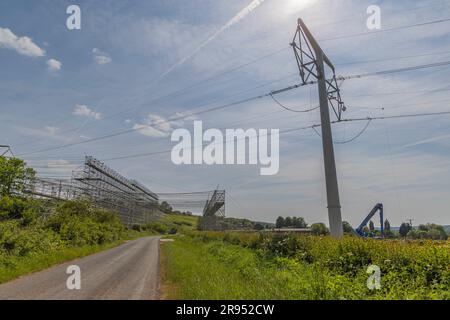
(386, 30)
(155, 122)
(174, 93)
(399, 92)
(411, 115)
(187, 115)
(391, 71)
(393, 58)
(275, 92)
(241, 66)
(257, 60)
(290, 109)
(359, 134)
(369, 119)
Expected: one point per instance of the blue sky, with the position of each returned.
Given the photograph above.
(107, 77)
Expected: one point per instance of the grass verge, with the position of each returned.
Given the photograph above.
(211, 269)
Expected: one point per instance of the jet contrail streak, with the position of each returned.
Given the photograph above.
(238, 17)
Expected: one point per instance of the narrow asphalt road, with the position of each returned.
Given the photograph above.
(130, 271)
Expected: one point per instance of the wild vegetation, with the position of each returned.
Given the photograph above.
(264, 266)
(424, 231)
(36, 233)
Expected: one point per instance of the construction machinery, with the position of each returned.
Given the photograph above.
(378, 208)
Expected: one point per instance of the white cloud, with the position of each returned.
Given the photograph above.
(54, 65)
(155, 126)
(101, 57)
(51, 130)
(84, 111)
(22, 45)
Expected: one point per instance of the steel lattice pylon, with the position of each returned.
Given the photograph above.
(307, 65)
(311, 62)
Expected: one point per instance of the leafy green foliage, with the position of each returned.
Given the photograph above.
(221, 223)
(290, 222)
(14, 175)
(35, 226)
(404, 229)
(78, 223)
(279, 223)
(319, 229)
(409, 269)
(428, 231)
(348, 229)
(165, 207)
(158, 227)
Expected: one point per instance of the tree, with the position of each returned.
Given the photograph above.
(435, 232)
(14, 175)
(347, 227)
(404, 229)
(288, 222)
(319, 229)
(258, 226)
(387, 226)
(165, 207)
(299, 222)
(413, 234)
(423, 227)
(387, 229)
(371, 226)
(279, 223)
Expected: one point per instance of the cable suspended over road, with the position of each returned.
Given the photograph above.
(369, 119)
(224, 106)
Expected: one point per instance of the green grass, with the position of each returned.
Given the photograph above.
(204, 267)
(183, 223)
(19, 266)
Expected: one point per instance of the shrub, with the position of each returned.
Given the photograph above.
(157, 227)
(319, 229)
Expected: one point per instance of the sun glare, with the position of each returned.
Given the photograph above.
(294, 6)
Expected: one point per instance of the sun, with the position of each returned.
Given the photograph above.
(294, 6)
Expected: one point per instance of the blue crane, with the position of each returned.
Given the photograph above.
(378, 208)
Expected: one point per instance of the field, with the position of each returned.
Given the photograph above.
(181, 222)
(250, 266)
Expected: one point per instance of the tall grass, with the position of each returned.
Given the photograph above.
(250, 266)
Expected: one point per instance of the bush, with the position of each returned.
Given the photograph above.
(18, 241)
(319, 229)
(79, 224)
(157, 227)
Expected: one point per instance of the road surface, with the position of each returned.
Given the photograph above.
(129, 271)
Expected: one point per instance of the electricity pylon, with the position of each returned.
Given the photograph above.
(311, 62)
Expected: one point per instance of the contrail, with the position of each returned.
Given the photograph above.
(238, 17)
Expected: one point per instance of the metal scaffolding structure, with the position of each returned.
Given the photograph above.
(135, 203)
(215, 205)
(213, 211)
